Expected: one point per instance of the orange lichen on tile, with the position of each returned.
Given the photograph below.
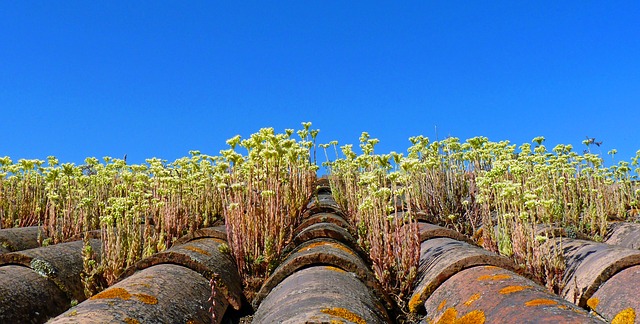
(565, 307)
(442, 304)
(147, 299)
(494, 277)
(511, 289)
(196, 249)
(313, 245)
(130, 320)
(344, 313)
(473, 298)
(593, 303)
(332, 268)
(113, 293)
(473, 317)
(541, 302)
(332, 244)
(416, 300)
(627, 315)
(217, 240)
(449, 316)
(579, 311)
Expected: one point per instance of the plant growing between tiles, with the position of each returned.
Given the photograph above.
(368, 186)
(497, 192)
(264, 194)
(489, 190)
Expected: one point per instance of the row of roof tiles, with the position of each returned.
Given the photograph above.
(325, 277)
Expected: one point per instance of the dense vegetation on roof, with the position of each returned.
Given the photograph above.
(497, 192)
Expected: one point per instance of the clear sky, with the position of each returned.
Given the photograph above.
(160, 78)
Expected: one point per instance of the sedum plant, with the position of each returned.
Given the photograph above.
(509, 199)
(22, 195)
(137, 209)
(503, 195)
(371, 190)
(264, 193)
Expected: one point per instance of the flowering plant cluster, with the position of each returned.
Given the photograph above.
(372, 189)
(507, 197)
(264, 193)
(501, 195)
(140, 209)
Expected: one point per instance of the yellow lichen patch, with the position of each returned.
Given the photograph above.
(494, 277)
(316, 244)
(147, 299)
(473, 317)
(333, 244)
(449, 316)
(197, 250)
(217, 240)
(625, 316)
(332, 268)
(442, 304)
(344, 313)
(579, 310)
(565, 307)
(473, 298)
(541, 302)
(593, 303)
(130, 320)
(511, 289)
(113, 293)
(416, 300)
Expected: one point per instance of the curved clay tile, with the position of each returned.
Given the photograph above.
(322, 251)
(219, 232)
(62, 263)
(164, 293)
(29, 297)
(202, 255)
(18, 239)
(321, 294)
(428, 231)
(441, 258)
(327, 230)
(617, 298)
(590, 264)
(322, 218)
(321, 202)
(624, 234)
(488, 294)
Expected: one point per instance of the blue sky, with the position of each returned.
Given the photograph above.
(160, 78)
